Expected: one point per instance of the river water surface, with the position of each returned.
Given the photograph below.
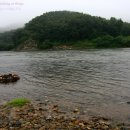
(95, 81)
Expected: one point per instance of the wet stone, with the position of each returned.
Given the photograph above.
(128, 102)
(15, 124)
(76, 110)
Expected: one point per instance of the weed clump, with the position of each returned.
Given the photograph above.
(18, 102)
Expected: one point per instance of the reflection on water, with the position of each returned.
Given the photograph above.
(96, 81)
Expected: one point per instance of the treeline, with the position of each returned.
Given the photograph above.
(65, 27)
(6, 41)
(105, 41)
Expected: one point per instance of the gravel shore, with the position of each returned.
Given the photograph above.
(49, 117)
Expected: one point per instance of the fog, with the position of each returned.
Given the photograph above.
(15, 12)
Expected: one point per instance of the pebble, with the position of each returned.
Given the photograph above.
(76, 110)
(49, 118)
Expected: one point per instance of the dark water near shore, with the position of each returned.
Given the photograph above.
(95, 81)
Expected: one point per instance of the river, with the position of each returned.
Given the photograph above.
(97, 82)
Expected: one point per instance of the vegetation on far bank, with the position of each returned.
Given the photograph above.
(65, 28)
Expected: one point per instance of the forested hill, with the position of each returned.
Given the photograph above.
(72, 29)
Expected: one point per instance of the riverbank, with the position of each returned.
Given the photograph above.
(33, 116)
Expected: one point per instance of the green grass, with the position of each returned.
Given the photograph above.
(18, 102)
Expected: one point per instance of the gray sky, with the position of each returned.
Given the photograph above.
(21, 11)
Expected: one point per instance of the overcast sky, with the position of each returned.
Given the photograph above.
(21, 11)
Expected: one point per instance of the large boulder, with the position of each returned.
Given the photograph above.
(9, 78)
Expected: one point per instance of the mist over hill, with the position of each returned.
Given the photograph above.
(11, 27)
